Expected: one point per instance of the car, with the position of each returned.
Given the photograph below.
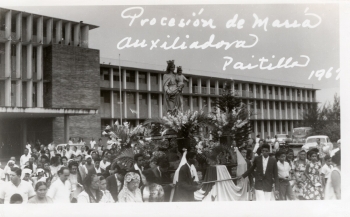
(310, 143)
(283, 138)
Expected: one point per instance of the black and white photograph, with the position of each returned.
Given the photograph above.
(171, 104)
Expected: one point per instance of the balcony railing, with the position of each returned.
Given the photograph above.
(13, 36)
(220, 91)
(195, 90)
(2, 34)
(212, 90)
(204, 90)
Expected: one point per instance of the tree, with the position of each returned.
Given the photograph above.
(324, 120)
(227, 103)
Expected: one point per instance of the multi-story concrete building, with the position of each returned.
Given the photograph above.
(277, 108)
(53, 86)
(48, 80)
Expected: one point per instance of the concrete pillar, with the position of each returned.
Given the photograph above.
(286, 126)
(268, 129)
(262, 130)
(18, 26)
(39, 30)
(191, 103)
(8, 24)
(125, 105)
(297, 110)
(160, 104)
(208, 87)
(49, 31)
(254, 90)
(67, 37)
(199, 84)
(66, 128)
(8, 73)
(285, 110)
(292, 125)
(111, 74)
(30, 94)
(255, 109)
(29, 27)
(274, 128)
(124, 78)
(190, 85)
(76, 34)
(137, 95)
(29, 61)
(280, 126)
(149, 105)
(85, 36)
(274, 110)
(262, 109)
(112, 104)
(18, 60)
(261, 91)
(280, 107)
(39, 89)
(148, 81)
(209, 104)
(59, 32)
(296, 94)
(200, 102)
(19, 93)
(160, 83)
(268, 109)
(137, 81)
(232, 86)
(216, 87)
(273, 92)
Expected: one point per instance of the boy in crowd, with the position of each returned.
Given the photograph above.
(284, 169)
(326, 169)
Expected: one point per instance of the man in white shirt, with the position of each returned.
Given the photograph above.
(16, 186)
(326, 169)
(92, 143)
(285, 190)
(60, 190)
(24, 158)
(104, 163)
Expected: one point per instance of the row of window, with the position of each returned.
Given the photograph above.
(278, 124)
(130, 77)
(131, 99)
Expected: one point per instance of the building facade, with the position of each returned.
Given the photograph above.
(49, 87)
(53, 87)
(276, 108)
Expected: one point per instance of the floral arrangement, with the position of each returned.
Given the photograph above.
(227, 123)
(184, 124)
(124, 134)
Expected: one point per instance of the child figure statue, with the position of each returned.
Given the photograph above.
(180, 78)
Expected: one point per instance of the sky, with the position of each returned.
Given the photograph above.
(314, 47)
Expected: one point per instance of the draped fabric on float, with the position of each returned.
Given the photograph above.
(224, 190)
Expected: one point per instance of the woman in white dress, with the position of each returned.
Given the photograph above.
(131, 191)
(333, 185)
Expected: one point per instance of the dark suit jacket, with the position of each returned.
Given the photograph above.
(185, 187)
(154, 176)
(112, 186)
(265, 181)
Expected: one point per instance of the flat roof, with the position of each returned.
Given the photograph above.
(25, 13)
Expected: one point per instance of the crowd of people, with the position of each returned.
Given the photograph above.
(80, 173)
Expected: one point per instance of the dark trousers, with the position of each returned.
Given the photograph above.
(286, 191)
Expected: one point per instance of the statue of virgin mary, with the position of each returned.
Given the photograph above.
(172, 92)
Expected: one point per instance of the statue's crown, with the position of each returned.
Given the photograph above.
(171, 62)
(179, 68)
